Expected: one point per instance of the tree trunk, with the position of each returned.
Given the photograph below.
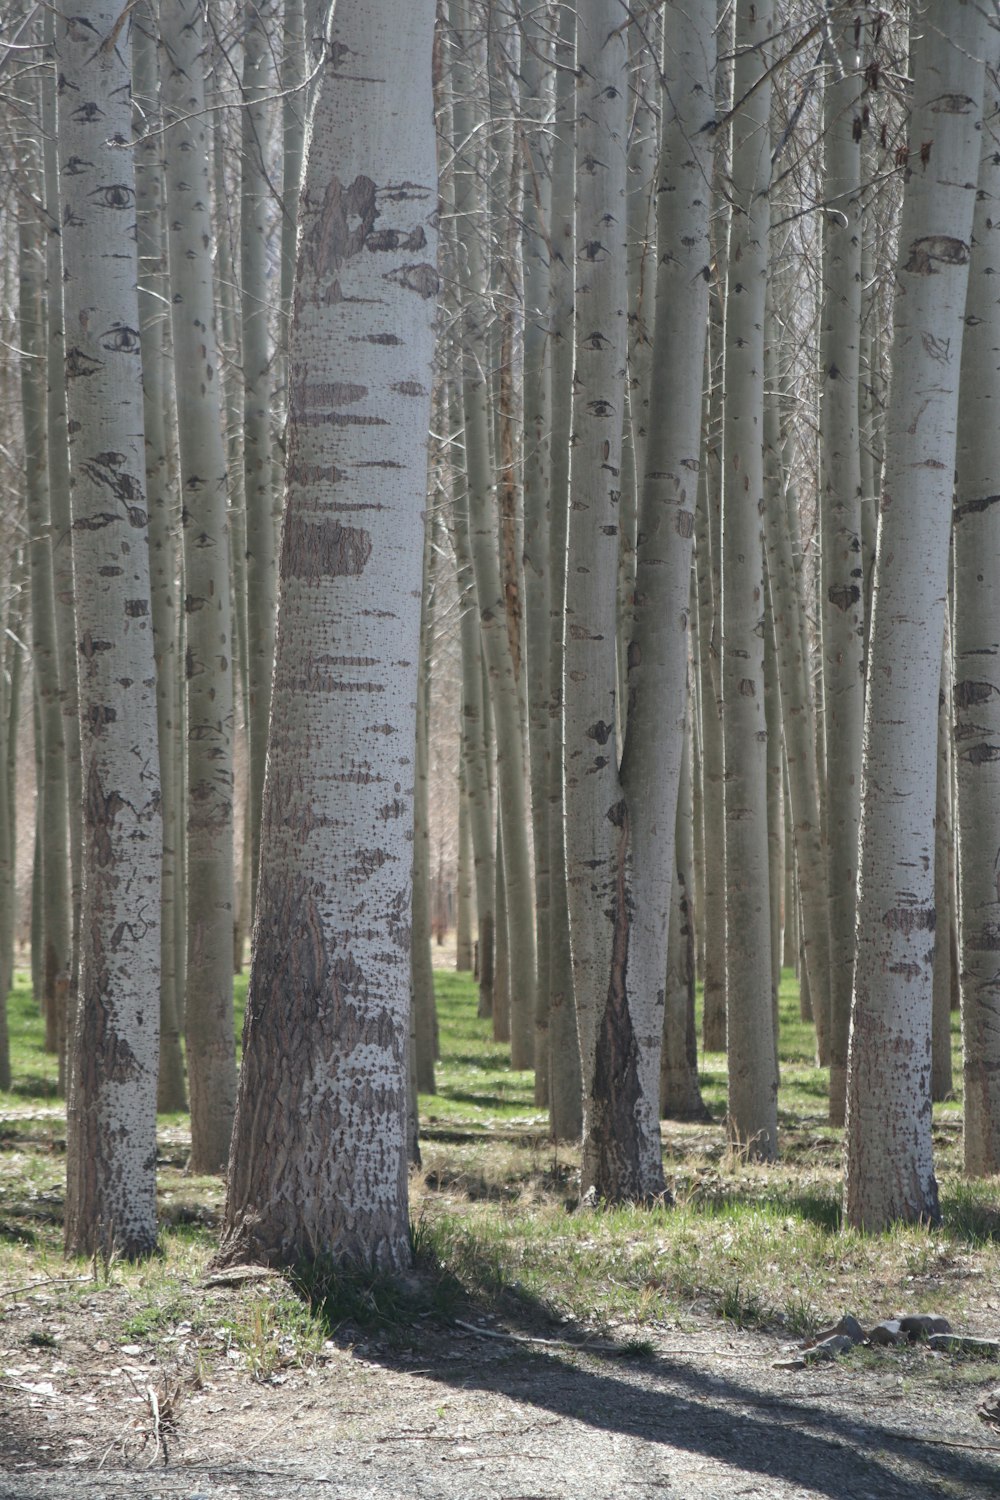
(843, 618)
(890, 1172)
(318, 1165)
(209, 637)
(753, 1083)
(111, 1120)
(977, 666)
(163, 560)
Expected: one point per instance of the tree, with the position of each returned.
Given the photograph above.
(318, 1162)
(111, 1122)
(890, 1172)
(753, 1083)
(211, 1051)
(977, 677)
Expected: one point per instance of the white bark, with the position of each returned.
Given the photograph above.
(753, 1083)
(890, 1173)
(840, 509)
(318, 1166)
(211, 1051)
(977, 664)
(111, 1122)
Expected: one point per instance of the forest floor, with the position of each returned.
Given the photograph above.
(538, 1352)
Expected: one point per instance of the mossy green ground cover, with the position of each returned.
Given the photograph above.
(496, 1225)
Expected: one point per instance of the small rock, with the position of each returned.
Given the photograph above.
(921, 1325)
(829, 1348)
(955, 1343)
(988, 1409)
(788, 1364)
(847, 1326)
(889, 1331)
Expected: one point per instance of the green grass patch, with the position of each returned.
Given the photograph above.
(497, 1229)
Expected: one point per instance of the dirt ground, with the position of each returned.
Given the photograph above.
(457, 1414)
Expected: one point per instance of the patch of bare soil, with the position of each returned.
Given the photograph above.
(458, 1414)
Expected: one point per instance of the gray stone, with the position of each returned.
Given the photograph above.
(956, 1343)
(921, 1325)
(847, 1326)
(829, 1348)
(889, 1331)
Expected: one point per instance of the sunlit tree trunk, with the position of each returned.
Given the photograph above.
(752, 1073)
(208, 629)
(565, 1089)
(840, 510)
(258, 487)
(890, 1172)
(318, 1165)
(502, 669)
(111, 1119)
(977, 664)
(163, 560)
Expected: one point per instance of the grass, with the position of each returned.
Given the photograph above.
(496, 1229)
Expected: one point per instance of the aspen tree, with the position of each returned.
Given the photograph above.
(753, 1083)
(111, 1119)
(890, 1171)
(840, 512)
(211, 1048)
(977, 661)
(318, 1164)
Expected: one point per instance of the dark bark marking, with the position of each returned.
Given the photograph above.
(600, 732)
(843, 595)
(944, 248)
(747, 688)
(907, 919)
(99, 714)
(951, 104)
(969, 692)
(980, 755)
(80, 364)
(389, 339)
(89, 647)
(422, 279)
(314, 473)
(341, 419)
(136, 609)
(975, 507)
(326, 393)
(408, 388)
(323, 548)
(100, 812)
(616, 1074)
(331, 239)
(685, 524)
(396, 239)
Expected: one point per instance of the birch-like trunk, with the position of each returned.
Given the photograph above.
(843, 621)
(158, 403)
(535, 156)
(753, 1083)
(788, 615)
(111, 1119)
(258, 476)
(502, 670)
(890, 1172)
(51, 936)
(318, 1165)
(211, 1051)
(977, 664)
(621, 1156)
(565, 1090)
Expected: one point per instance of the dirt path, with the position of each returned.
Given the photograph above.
(461, 1416)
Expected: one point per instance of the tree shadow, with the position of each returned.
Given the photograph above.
(680, 1407)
